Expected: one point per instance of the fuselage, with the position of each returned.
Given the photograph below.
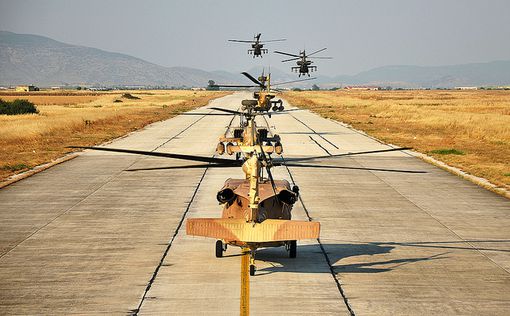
(257, 49)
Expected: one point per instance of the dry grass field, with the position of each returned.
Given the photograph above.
(82, 118)
(466, 129)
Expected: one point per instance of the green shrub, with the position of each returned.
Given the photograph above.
(448, 151)
(130, 96)
(17, 107)
(16, 167)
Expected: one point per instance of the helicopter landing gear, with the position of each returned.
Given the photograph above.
(252, 263)
(278, 148)
(220, 248)
(292, 248)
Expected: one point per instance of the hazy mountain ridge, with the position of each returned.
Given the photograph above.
(43, 61)
(477, 74)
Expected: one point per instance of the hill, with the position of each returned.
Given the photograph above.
(43, 61)
(39, 60)
(494, 73)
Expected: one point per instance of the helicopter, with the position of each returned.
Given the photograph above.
(262, 99)
(256, 209)
(257, 45)
(304, 66)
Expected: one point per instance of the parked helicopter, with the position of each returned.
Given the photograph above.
(257, 209)
(303, 65)
(257, 45)
(263, 99)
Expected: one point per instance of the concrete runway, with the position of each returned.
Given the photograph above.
(89, 237)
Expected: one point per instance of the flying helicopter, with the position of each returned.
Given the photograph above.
(263, 99)
(257, 45)
(304, 65)
(257, 209)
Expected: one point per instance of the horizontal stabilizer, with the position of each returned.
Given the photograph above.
(270, 230)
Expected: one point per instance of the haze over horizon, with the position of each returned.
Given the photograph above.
(359, 35)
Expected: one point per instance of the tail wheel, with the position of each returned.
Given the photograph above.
(292, 249)
(252, 269)
(219, 249)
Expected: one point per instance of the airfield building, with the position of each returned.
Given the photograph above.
(26, 88)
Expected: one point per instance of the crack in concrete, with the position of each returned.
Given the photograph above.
(323, 251)
(94, 191)
(135, 312)
(437, 220)
(313, 131)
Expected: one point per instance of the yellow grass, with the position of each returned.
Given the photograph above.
(476, 123)
(82, 119)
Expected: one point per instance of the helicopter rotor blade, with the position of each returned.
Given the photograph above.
(232, 86)
(293, 81)
(203, 114)
(164, 155)
(352, 168)
(287, 54)
(291, 59)
(276, 40)
(320, 57)
(241, 41)
(317, 51)
(227, 111)
(184, 167)
(343, 155)
(252, 79)
(285, 111)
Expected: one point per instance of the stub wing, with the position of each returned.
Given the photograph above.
(239, 230)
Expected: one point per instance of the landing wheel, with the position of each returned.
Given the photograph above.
(292, 249)
(219, 249)
(252, 269)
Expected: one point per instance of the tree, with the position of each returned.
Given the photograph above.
(315, 87)
(211, 86)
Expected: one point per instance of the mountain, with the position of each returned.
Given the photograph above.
(496, 73)
(42, 61)
(33, 59)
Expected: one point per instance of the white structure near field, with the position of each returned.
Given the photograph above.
(362, 88)
(466, 88)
